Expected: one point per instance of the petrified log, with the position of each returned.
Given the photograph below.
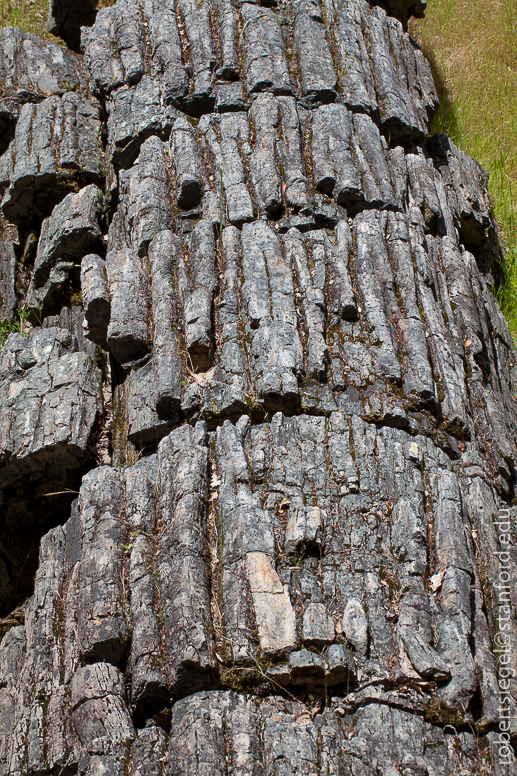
(260, 423)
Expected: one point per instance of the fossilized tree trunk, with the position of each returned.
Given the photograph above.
(263, 422)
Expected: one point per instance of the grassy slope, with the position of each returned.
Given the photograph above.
(472, 46)
(28, 15)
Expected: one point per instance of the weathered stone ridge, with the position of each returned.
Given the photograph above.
(233, 560)
(257, 415)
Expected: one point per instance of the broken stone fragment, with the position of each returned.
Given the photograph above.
(96, 303)
(55, 291)
(128, 337)
(100, 716)
(424, 658)
(57, 145)
(306, 667)
(280, 674)
(304, 527)
(148, 752)
(318, 626)
(465, 183)
(264, 50)
(187, 164)
(102, 623)
(144, 424)
(36, 67)
(72, 319)
(50, 404)
(197, 283)
(144, 197)
(68, 233)
(273, 610)
(340, 665)
(134, 113)
(230, 97)
(355, 626)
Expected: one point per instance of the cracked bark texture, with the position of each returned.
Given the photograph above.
(258, 428)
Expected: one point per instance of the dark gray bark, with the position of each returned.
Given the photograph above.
(261, 420)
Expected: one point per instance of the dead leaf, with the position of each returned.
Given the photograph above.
(203, 377)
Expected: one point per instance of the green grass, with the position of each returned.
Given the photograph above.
(507, 292)
(12, 327)
(28, 15)
(472, 47)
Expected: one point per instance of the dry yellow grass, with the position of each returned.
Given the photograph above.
(28, 15)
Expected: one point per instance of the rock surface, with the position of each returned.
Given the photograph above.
(56, 148)
(50, 400)
(258, 441)
(31, 70)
